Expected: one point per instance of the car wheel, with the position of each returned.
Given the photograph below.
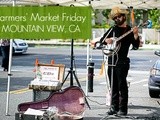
(153, 94)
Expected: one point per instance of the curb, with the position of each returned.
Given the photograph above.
(57, 43)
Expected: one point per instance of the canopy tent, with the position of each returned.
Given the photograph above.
(96, 4)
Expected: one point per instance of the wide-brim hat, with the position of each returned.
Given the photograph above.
(116, 11)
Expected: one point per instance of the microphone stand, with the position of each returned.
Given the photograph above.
(112, 71)
(72, 74)
(112, 65)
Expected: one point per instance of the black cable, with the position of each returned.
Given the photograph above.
(95, 101)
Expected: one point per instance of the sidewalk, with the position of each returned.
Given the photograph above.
(59, 43)
(148, 46)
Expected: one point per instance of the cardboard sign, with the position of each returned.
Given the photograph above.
(47, 73)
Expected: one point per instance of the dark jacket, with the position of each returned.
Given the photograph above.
(122, 54)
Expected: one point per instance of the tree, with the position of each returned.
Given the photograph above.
(154, 16)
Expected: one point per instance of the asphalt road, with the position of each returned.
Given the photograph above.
(63, 54)
(140, 104)
(141, 60)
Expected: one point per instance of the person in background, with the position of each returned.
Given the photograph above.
(5, 46)
(121, 61)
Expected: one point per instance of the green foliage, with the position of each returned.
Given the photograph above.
(106, 13)
(104, 24)
(154, 16)
(138, 14)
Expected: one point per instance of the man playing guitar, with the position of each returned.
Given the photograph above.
(118, 62)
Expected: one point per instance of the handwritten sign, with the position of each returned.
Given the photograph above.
(47, 73)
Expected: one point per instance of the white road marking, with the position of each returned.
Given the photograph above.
(136, 82)
(131, 83)
(103, 83)
(145, 85)
(138, 72)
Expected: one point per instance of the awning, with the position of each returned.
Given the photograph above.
(96, 4)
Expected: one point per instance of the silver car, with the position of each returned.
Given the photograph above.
(19, 46)
(154, 79)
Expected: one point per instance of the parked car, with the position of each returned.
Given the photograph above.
(19, 46)
(154, 79)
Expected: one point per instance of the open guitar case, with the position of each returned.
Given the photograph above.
(69, 104)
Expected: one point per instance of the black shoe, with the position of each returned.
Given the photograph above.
(111, 111)
(122, 113)
(5, 69)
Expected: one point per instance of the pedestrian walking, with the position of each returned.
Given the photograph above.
(5, 45)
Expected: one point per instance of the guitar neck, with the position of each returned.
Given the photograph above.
(124, 35)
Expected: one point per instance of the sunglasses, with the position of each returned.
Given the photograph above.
(116, 17)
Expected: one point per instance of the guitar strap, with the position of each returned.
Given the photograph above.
(106, 35)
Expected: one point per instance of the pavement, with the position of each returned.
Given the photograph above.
(97, 104)
(97, 107)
